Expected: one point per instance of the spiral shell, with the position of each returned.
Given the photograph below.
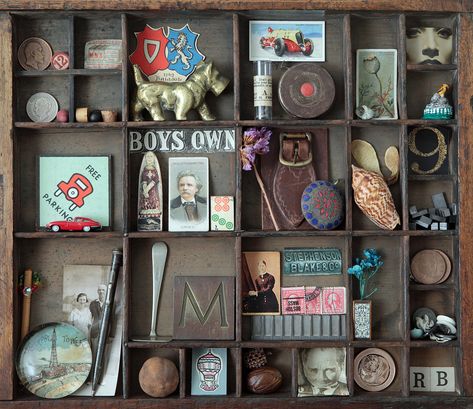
(373, 197)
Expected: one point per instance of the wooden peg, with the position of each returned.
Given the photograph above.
(27, 292)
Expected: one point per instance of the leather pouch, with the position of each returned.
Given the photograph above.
(294, 161)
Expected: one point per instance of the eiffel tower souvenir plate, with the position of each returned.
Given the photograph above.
(54, 360)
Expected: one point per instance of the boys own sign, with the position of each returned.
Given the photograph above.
(72, 186)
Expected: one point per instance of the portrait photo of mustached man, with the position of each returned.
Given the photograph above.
(188, 194)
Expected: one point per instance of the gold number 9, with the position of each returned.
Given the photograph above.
(441, 149)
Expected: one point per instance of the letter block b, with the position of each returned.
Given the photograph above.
(432, 379)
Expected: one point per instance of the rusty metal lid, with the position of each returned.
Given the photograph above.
(306, 90)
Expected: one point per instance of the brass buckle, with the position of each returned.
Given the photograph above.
(301, 135)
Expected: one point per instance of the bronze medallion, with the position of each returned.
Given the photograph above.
(448, 268)
(429, 267)
(34, 54)
(374, 369)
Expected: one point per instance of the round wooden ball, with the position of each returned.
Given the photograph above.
(62, 115)
(95, 116)
(158, 377)
(264, 380)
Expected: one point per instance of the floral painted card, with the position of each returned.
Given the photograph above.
(209, 371)
(376, 84)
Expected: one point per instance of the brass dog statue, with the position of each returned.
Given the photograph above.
(179, 97)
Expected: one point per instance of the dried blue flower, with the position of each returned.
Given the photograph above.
(364, 269)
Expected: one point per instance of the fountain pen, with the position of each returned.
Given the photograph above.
(117, 258)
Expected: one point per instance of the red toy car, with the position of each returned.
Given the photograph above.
(77, 224)
(292, 41)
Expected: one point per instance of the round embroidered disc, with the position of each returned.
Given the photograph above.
(322, 205)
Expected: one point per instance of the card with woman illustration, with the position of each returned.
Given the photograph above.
(261, 286)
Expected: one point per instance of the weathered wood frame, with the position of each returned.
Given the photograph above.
(465, 180)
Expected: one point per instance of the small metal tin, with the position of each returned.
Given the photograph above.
(306, 90)
(103, 54)
(54, 360)
(322, 205)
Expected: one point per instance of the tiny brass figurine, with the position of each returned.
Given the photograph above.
(179, 97)
(439, 108)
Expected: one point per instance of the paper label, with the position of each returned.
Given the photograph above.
(263, 92)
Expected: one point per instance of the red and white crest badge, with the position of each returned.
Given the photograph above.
(150, 53)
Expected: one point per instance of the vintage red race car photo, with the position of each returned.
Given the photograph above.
(291, 41)
(76, 224)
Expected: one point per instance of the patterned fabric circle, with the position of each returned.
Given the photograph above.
(322, 205)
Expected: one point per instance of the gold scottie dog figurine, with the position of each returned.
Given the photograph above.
(179, 97)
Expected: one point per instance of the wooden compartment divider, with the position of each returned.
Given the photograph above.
(355, 24)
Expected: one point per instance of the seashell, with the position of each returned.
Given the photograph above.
(373, 197)
(364, 112)
(365, 155)
(391, 159)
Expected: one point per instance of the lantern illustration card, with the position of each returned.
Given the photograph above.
(209, 371)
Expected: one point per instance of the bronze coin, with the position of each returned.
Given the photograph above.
(374, 369)
(448, 270)
(34, 54)
(306, 90)
(428, 266)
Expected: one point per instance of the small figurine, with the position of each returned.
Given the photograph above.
(150, 194)
(439, 108)
(76, 224)
(179, 97)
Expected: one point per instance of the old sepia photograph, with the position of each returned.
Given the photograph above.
(84, 292)
(322, 372)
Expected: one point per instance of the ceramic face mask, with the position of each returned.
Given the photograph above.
(429, 45)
